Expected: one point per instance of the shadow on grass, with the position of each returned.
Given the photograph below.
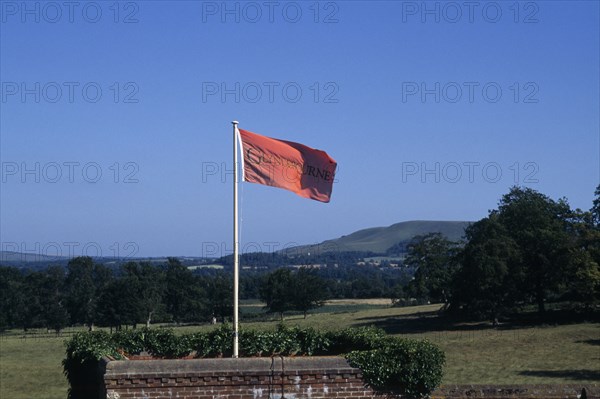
(434, 321)
(595, 342)
(562, 316)
(576, 375)
(420, 323)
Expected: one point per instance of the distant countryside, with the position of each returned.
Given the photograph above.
(514, 298)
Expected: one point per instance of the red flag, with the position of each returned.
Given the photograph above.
(285, 164)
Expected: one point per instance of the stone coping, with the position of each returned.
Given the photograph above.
(309, 364)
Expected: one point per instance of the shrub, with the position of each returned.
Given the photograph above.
(254, 343)
(199, 342)
(220, 342)
(84, 350)
(410, 367)
(164, 343)
(131, 342)
(312, 342)
(355, 339)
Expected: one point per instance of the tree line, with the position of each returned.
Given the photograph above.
(89, 293)
(530, 251)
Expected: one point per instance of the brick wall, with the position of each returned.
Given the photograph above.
(249, 378)
(277, 378)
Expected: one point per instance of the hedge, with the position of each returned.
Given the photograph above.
(409, 367)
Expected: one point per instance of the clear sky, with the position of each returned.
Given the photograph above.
(116, 116)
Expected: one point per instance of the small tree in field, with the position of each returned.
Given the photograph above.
(285, 290)
(308, 291)
(276, 292)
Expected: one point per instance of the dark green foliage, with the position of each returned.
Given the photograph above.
(138, 292)
(84, 351)
(358, 339)
(389, 364)
(529, 251)
(131, 342)
(91, 345)
(409, 367)
(308, 291)
(220, 296)
(489, 261)
(220, 342)
(254, 343)
(595, 211)
(275, 292)
(311, 341)
(114, 308)
(184, 297)
(283, 341)
(146, 287)
(164, 343)
(284, 290)
(538, 225)
(12, 298)
(432, 256)
(80, 290)
(51, 290)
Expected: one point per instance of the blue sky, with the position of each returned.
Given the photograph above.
(115, 116)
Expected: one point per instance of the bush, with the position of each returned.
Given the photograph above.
(220, 342)
(254, 343)
(355, 339)
(409, 367)
(84, 351)
(130, 342)
(164, 343)
(283, 341)
(312, 342)
(199, 343)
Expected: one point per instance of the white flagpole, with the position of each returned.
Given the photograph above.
(236, 261)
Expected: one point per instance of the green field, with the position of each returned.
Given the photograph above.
(476, 353)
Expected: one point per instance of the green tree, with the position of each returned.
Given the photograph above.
(81, 291)
(595, 211)
(483, 285)
(432, 256)
(143, 292)
(308, 291)
(276, 291)
(33, 312)
(184, 296)
(12, 298)
(220, 296)
(584, 271)
(111, 306)
(539, 226)
(54, 311)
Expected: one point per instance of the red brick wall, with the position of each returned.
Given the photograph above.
(277, 378)
(251, 378)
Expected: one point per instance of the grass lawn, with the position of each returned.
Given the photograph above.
(31, 368)
(475, 352)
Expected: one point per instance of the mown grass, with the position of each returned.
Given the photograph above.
(476, 352)
(30, 368)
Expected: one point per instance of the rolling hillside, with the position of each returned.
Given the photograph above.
(379, 239)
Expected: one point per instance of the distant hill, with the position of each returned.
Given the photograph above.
(38, 261)
(379, 239)
(369, 242)
(24, 257)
